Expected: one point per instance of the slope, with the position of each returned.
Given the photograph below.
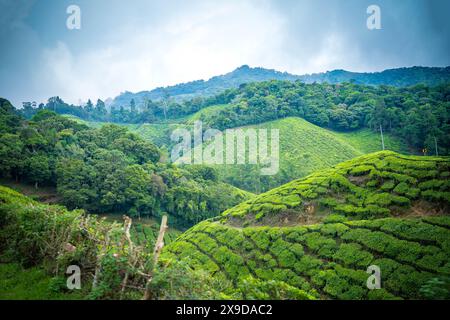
(327, 261)
(305, 148)
(309, 233)
(374, 185)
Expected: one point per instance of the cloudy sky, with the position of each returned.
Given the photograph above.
(138, 45)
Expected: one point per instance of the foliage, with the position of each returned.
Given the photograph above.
(304, 149)
(437, 288)
(417, 114)
(17, 283)
(324, 260)
(405, 112)
(46, 239)
(370, 186)
(109, 170)
(177, 280)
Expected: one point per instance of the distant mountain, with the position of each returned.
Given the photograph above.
(243, 74)
(401, 77)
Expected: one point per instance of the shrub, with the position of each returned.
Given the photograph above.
(436, 288)
(252, 288)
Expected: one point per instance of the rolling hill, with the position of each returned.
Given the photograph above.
(304, 148)
(371, 186)
(320, 234)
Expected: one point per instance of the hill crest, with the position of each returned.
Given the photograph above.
(407, 76)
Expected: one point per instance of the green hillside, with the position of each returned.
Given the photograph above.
(8, 196)
(325, 260)
(319, 234)
(414, 114)
(305, 148)
(401, 77)
(371, 186)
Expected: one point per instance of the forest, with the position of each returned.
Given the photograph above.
(107, 170)
(418, 114)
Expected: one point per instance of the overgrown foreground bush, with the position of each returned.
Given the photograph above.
(49, 238)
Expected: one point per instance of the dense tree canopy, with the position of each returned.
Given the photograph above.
(419, 114)
(107, 170)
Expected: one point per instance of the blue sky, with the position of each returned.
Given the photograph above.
(138, 45)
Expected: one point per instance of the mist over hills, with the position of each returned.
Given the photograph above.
(399, 77)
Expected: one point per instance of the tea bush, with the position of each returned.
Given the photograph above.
(326, 260)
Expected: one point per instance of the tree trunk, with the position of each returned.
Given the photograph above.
(156, 252)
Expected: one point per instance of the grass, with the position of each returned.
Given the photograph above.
(205, 112)
(367, 141)
(305, 148)
(17, 283)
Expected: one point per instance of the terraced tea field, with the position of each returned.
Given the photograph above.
(325, 260)
(371, 186)
(318, 235)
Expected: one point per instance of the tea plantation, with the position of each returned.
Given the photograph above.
(371, 186)
(319, 235)
(326, 261)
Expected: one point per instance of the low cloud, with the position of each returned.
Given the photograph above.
(140, 46)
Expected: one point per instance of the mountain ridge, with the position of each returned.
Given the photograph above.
(405, 76)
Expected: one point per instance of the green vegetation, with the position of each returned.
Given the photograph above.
(304, 148)
(418, 115)
(8, 117)
(403, 112)
(401, 77)
(108, 170)
(321, 233)
(370, 186)
(326, 260)
(226, 258)
(38, 242)
(310, 238)
(17, 283)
